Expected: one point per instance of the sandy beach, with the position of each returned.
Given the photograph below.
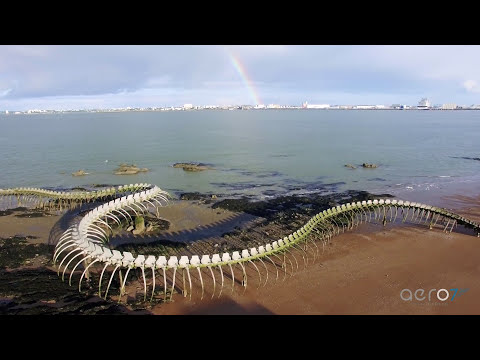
(360, 272)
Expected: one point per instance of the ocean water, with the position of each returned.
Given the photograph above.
(254, 153)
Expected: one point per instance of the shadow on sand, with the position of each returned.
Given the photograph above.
(229, 307)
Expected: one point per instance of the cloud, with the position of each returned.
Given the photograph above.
(155, 82)
(258, 51)
(5, 92)
(37, 51)
(94, 70)
(471, 86)
(174, 74)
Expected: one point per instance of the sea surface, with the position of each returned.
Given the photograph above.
(255, 153)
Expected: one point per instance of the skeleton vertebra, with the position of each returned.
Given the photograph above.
(87, 241)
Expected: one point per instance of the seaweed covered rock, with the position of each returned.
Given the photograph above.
(192, 166)
(285, 208)
(79, 173)
(147, 224)
(139, 225)
(204, 198)
(193, 196)
(129, 169)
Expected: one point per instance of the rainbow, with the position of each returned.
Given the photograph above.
(240, 68)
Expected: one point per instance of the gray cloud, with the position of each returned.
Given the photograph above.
(172, 75)
(88, 70)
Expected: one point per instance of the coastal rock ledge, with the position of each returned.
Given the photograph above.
(192, 166)
(126, 169)
(79, 173)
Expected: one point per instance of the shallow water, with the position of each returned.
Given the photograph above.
(257, 153)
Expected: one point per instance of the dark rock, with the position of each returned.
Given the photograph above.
(129, 169)
(6, 212)
(79, 173)
(240, 185)
(192, 166)
(156, 224)
(20, 208)
(268, 174)
(239, 205)
(466, 158)
(31, 213)
(101, 185)
(193, 196)
(16, 251)
(38, 292)
(286, 208)
(281, 155)
(202, 198)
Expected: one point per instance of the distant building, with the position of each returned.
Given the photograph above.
(424, 104)
(319, 106)
(306, 105)
(259, 106)
(273, 106)
(365, 107)
(6, 112)
(449, 106)
(188, 106)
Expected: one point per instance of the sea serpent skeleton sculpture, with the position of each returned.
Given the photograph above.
(85, 243)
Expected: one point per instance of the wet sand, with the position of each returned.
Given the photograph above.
(364, 273)
(40, 227)
(360, 272)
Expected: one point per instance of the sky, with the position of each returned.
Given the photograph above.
(61, 77)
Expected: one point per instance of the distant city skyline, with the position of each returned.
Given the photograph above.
(65, 77)
(424, 104)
